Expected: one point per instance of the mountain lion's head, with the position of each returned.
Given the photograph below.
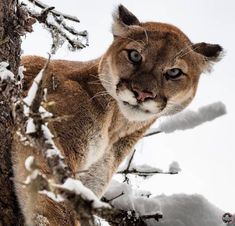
(152, 69)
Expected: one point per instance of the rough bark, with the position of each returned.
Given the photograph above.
(10, 48)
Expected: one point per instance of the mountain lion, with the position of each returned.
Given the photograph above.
(150, 70)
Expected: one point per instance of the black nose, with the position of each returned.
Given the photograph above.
(142, 95)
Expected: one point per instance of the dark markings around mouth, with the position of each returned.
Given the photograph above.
(136, 107)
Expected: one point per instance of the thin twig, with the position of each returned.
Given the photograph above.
(126, 179)
(152, 133)
(110, 200)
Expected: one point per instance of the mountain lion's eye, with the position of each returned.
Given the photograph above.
(173, 73)
(134, 56)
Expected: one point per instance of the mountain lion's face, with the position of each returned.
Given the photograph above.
(152, 69)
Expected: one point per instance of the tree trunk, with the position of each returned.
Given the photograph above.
(10, 48)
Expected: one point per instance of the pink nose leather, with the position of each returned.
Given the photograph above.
(142, 95)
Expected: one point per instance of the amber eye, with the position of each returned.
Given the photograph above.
(134, 56)
(173, 73)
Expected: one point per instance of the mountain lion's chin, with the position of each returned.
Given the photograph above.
(135, 112)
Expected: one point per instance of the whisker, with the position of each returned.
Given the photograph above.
(101, 79)
(105, 81)
(171, 107)
(98, 82)
(146, 35)
(94, 65)
(137, 41)
(95, 82)
(95, 76)
(191, 50)
(176, 106)
(182, 50)
(99, 94)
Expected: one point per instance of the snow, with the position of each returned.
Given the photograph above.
(23, 139)
(131, 199)
(187, 210)
(29, 162)
(174, 167)
(32, 92)
(78, 188)
(5, 74)
(52, 195)
(143, 193)
(51, 19)
(140, 168)
(188, 119)
(21, 70)
(32, 176)
(44, 113)
(100, 222)
(30, 126)
(145, 168)
(49, 140)
(177, 210)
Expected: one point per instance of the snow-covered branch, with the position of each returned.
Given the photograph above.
(189, 119)
(56, 24)
(53, 11)
(144, 170)
(137, 207)
(9, 86)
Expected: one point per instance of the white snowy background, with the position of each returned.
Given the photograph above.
(206, 154)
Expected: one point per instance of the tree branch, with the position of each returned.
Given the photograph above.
(60, 31)
(53, 11)
(143, 173)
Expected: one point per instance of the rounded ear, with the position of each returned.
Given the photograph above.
(123, 19)
(211, 52)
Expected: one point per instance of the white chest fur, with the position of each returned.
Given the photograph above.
(96, 148)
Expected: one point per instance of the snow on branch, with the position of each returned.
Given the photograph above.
(5, 74)
(78, 188)
(174, 168)
(139, 207)
(144, 170)
(55, 22)
(189, 119)
(10, 89)
(177, 209)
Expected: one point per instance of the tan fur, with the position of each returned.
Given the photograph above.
(101, 129)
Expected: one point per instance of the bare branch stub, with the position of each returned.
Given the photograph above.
(152, 133)
(125, 172)
(110, 200)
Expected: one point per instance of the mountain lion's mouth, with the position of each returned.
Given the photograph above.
(135, 107)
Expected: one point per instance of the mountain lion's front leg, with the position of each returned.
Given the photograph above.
(100, 173)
